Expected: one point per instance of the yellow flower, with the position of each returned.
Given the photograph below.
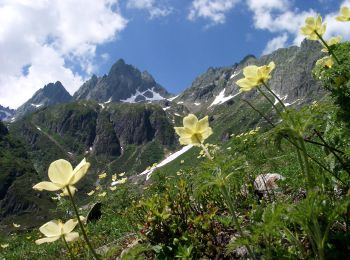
(16, 225)
(313, 27)
(194, 131)
(102, 194)
(56, 229)
(332, 41)
(4, 245)
(91, 193)
(98, 188)
(121, 181)
(255, 76)
(113, 188)
(182, 161)
(326, 62)
(114, 177)
(121, 174)
(62, 175)
(344, 14)
(102, 176)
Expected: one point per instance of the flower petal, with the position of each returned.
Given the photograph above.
(79, 171)
(72, 189)
(46, 185)
(202, 124)
(183, 132)
(46, 240)
(71, 236)
(69, 226)
(186, 141)
(208, 132)
(60, 172)
(245, 84)
(51, 228)
(250, 71)
(190, 121)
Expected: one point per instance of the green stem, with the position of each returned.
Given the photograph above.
(69, 250)
(306, 162)
(273, 93)
(327, 46)
(317, 162)
(300, 159)
(81, 225)
(343, 164)
(234, 217)
(261, 114)
(270, 101)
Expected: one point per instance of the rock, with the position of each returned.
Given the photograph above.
(294, 86)
(267, 182)
(95, 213)
(50, 94)
(130, 246)
(122, 82)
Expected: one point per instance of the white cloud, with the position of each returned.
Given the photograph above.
(46, 35)
(213, 10)
(279, 16)
(154, 10)
(276, 43)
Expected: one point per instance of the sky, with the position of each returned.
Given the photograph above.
(43, 41)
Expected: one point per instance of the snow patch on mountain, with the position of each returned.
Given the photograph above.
(167, 160)
(155, 96)
(172, 98)
(235, 74)
(109, 101)
(220, 99)
(36, 105)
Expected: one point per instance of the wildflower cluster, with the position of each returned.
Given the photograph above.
(210, 148)
(251, 132)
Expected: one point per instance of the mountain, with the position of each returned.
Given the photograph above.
(291, 80)
(6, 113)
(50, 94)
(116, 136)
(122, 137)
(123, 83)
(17, 176)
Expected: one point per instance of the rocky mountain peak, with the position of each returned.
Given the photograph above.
(292, 78)
(50, 94)
(124, 83)
(6, 113)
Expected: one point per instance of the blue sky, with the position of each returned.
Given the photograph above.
(175, 40)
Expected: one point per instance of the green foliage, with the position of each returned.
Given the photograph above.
(336, 79)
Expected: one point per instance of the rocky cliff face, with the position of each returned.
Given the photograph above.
(292, 78)
(50, 94)
(123, 83)
(99, 132)
(6, 113)
(17, 176)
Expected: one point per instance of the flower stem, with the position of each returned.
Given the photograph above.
(306, 162)
(261, 114)
(69, 250)
(273, 93)
(206, 152)
(234, 217)
(327, 46)
(270, 101)
(81, 225)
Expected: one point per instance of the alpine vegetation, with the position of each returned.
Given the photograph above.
(257, 179)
